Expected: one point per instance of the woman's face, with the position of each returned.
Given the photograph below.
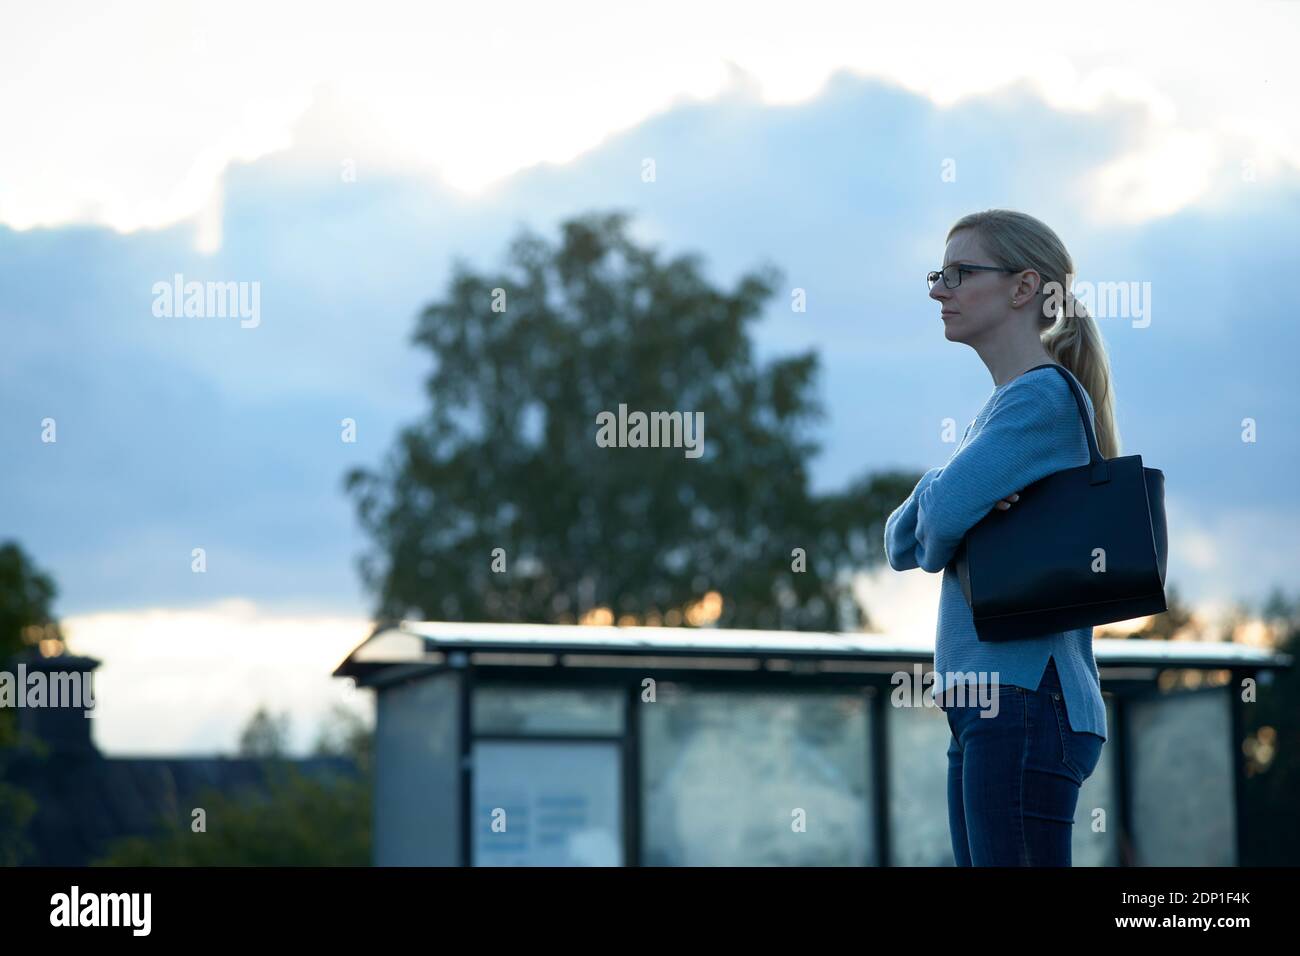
(976, 308)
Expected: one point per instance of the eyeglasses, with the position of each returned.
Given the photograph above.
(952, 274)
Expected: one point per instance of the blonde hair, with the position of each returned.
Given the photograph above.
(1018, 241)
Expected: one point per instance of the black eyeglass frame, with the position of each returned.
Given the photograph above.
(934, 276)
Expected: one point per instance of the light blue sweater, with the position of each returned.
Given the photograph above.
(1028, 429)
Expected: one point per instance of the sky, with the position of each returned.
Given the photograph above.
(341, 157)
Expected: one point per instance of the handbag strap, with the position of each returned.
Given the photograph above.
(1100, 467)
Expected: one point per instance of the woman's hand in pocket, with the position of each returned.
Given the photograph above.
(1006, 502)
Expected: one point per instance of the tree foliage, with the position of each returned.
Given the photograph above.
(265, 735)
(1272, 749)
(26, 616)
(299, 820)
(295, 819)
(26, 602)
(506, 458)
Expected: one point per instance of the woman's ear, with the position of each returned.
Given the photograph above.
(1028, 282)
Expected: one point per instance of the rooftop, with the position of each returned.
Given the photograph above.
(428, 643)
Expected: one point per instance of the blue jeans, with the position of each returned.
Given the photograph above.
(1014, 778)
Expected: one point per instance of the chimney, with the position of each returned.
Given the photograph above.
(52, 697)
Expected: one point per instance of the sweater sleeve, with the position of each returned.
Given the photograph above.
(1033, 431)
(900, 528)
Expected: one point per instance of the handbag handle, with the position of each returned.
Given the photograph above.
(1100, 467)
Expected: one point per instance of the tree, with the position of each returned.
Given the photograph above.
(16, 809)
(293, 819)
(26, 600)
(344, 734)
(501, 505)
(265, 735)
(26, 617)
(1272, 748)
(299, 820)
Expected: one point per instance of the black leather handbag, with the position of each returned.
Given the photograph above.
(1080, 547)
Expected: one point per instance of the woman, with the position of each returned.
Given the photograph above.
(1026, 716)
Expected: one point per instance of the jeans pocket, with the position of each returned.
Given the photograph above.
(1080, 750)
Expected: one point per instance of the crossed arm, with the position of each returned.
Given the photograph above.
(1031, 433)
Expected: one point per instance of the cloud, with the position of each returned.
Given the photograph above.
(131, 117)
(178, 681)
(176, 434)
